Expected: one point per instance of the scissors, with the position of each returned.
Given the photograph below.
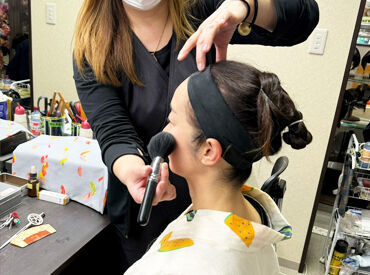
(45, 100)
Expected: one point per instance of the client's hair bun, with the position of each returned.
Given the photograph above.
(298, 136)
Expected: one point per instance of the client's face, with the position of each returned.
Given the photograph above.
(183, 160)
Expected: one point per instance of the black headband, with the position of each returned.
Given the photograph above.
(217, 121)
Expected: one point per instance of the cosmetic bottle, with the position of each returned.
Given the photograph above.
(35, 121)
(33, 184)
(86, 130)
(339, 254)
(20, 116)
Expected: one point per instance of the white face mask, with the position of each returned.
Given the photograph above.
(142, 4)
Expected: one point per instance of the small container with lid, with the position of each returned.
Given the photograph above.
(352, 252)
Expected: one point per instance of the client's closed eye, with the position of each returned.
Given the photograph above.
(170, 118)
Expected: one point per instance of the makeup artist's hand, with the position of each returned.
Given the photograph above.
(217, 29)
(165, 190)
(132, 171)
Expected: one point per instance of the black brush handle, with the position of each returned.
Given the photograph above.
(146, 205)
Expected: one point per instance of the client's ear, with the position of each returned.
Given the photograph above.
(211, 152)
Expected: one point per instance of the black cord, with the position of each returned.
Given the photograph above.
(244, 27)
(249, 10)
(255, 12)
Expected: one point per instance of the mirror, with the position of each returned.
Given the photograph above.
(15, 51)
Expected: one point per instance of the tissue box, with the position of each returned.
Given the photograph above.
(67, 165)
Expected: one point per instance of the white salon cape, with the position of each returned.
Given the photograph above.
(215, 242)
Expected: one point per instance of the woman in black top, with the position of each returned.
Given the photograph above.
(127, 67)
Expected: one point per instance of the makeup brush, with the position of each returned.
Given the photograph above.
(160, 146)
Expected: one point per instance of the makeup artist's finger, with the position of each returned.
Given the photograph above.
(143, 172)
(137, 173)
(137, 194)
(221, 53)
(164, 174)
(165, 192)
(140, 178)
(201, 58)
(169, 190)
(136, 184)
(188, 46)
(170, 193)
(208, 34)
(206, 39)
(159, 192)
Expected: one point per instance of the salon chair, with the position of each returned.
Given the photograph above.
(274, 186)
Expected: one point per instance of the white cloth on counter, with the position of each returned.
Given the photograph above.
(69, 165)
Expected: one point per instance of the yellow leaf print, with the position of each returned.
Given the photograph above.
(93, 188)
(63, 161)
(246, 188)
(241, 227)
(167, 245)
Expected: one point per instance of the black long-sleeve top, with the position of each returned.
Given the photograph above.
(116, 113)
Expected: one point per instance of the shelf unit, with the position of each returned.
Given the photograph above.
(364, 33)
(346, 189)
(360, 80)
(361, 124)
(336, 236)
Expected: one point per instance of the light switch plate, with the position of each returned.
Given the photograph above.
(51, 13)
(318, 41)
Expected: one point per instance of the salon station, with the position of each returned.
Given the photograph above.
(74, 133)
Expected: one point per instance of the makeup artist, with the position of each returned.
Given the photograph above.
(129, 57)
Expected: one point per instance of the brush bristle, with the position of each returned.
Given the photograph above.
(161, 145)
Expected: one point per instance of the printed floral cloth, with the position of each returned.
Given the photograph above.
(69, 165)
(215, 242)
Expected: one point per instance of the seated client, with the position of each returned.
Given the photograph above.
(223, 120)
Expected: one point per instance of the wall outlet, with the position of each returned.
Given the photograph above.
(51, 13)
(318, 41)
